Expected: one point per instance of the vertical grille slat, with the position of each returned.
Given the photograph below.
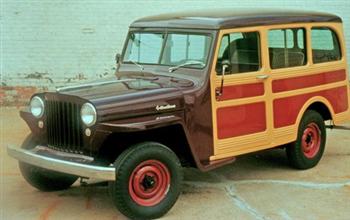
(74, 125)
(57, 122)
(59, 125)
(65, 124)
(78, 128)
(48, 120)
(69, 122)
(60, 122)
(54, 136)
(64, 129)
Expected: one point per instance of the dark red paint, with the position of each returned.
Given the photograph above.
(242, 91)
(241, 120)
(228, 18)
(311, 140)
(301, 82)
(286, 110)
(149, 182)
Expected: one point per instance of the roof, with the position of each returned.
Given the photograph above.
(221, 19)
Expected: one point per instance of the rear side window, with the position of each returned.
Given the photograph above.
(325, 45)
(287, 47)
(241, 50)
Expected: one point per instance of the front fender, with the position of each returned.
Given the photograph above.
(32, 122)
(140, 124)
(104, 129)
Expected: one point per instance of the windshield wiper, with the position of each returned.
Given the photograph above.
(192, 62)
(137, 64)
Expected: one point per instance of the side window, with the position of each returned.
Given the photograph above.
(325, 45)
(242, 50)
(287, 47)
(281, 39)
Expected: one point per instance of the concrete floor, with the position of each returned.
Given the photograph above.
(257, 186)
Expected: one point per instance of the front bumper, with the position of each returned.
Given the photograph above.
(74, 168)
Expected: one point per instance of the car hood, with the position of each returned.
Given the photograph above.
(132, 94)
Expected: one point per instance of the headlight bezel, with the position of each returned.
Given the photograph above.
(93, 111)
(39, 101)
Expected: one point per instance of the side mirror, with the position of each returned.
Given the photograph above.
(118, 58)
(226, 68)
(226, 64)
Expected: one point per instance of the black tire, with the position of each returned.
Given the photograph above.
(133, 163)
(43, 179)
(308, 149)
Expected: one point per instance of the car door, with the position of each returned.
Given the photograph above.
(241, 104)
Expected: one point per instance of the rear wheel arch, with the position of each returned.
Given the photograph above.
(322, 109)
(318, 104)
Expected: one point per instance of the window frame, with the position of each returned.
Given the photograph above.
(240, 31)
(339, 40)
(295, 44)
(167, 32)
(206, 48)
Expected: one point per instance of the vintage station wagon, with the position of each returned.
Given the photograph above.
(192, 89)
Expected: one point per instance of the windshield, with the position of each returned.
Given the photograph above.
(170, 49)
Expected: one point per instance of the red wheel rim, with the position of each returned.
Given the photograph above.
(311, 140)
(149, 183)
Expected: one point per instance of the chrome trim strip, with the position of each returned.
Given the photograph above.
(93, 84)
(83, 170)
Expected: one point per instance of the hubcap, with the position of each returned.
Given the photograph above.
(149, 183)
(311, 140)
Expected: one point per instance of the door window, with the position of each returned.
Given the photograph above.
(242, 50)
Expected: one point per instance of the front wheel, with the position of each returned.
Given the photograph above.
(148, 181)
(308, 149)
(43, 179)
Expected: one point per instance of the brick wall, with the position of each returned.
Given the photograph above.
(47, 44)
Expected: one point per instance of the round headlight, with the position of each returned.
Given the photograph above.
(37, 106)
(88, 114)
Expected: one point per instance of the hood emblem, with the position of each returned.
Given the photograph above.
(164, 107)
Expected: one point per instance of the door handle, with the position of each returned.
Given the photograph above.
(262, 77)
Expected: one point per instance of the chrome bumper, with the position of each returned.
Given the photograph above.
(78, 169)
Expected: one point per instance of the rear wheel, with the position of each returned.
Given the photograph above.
(40, 178)
(308, 149)
(148, 181)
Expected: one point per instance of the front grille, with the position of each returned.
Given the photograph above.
(64, 129)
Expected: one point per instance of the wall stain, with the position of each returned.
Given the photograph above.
(88, 30)
(38, 75)
(78, 77)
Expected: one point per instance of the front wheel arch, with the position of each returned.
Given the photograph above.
(116, 143)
